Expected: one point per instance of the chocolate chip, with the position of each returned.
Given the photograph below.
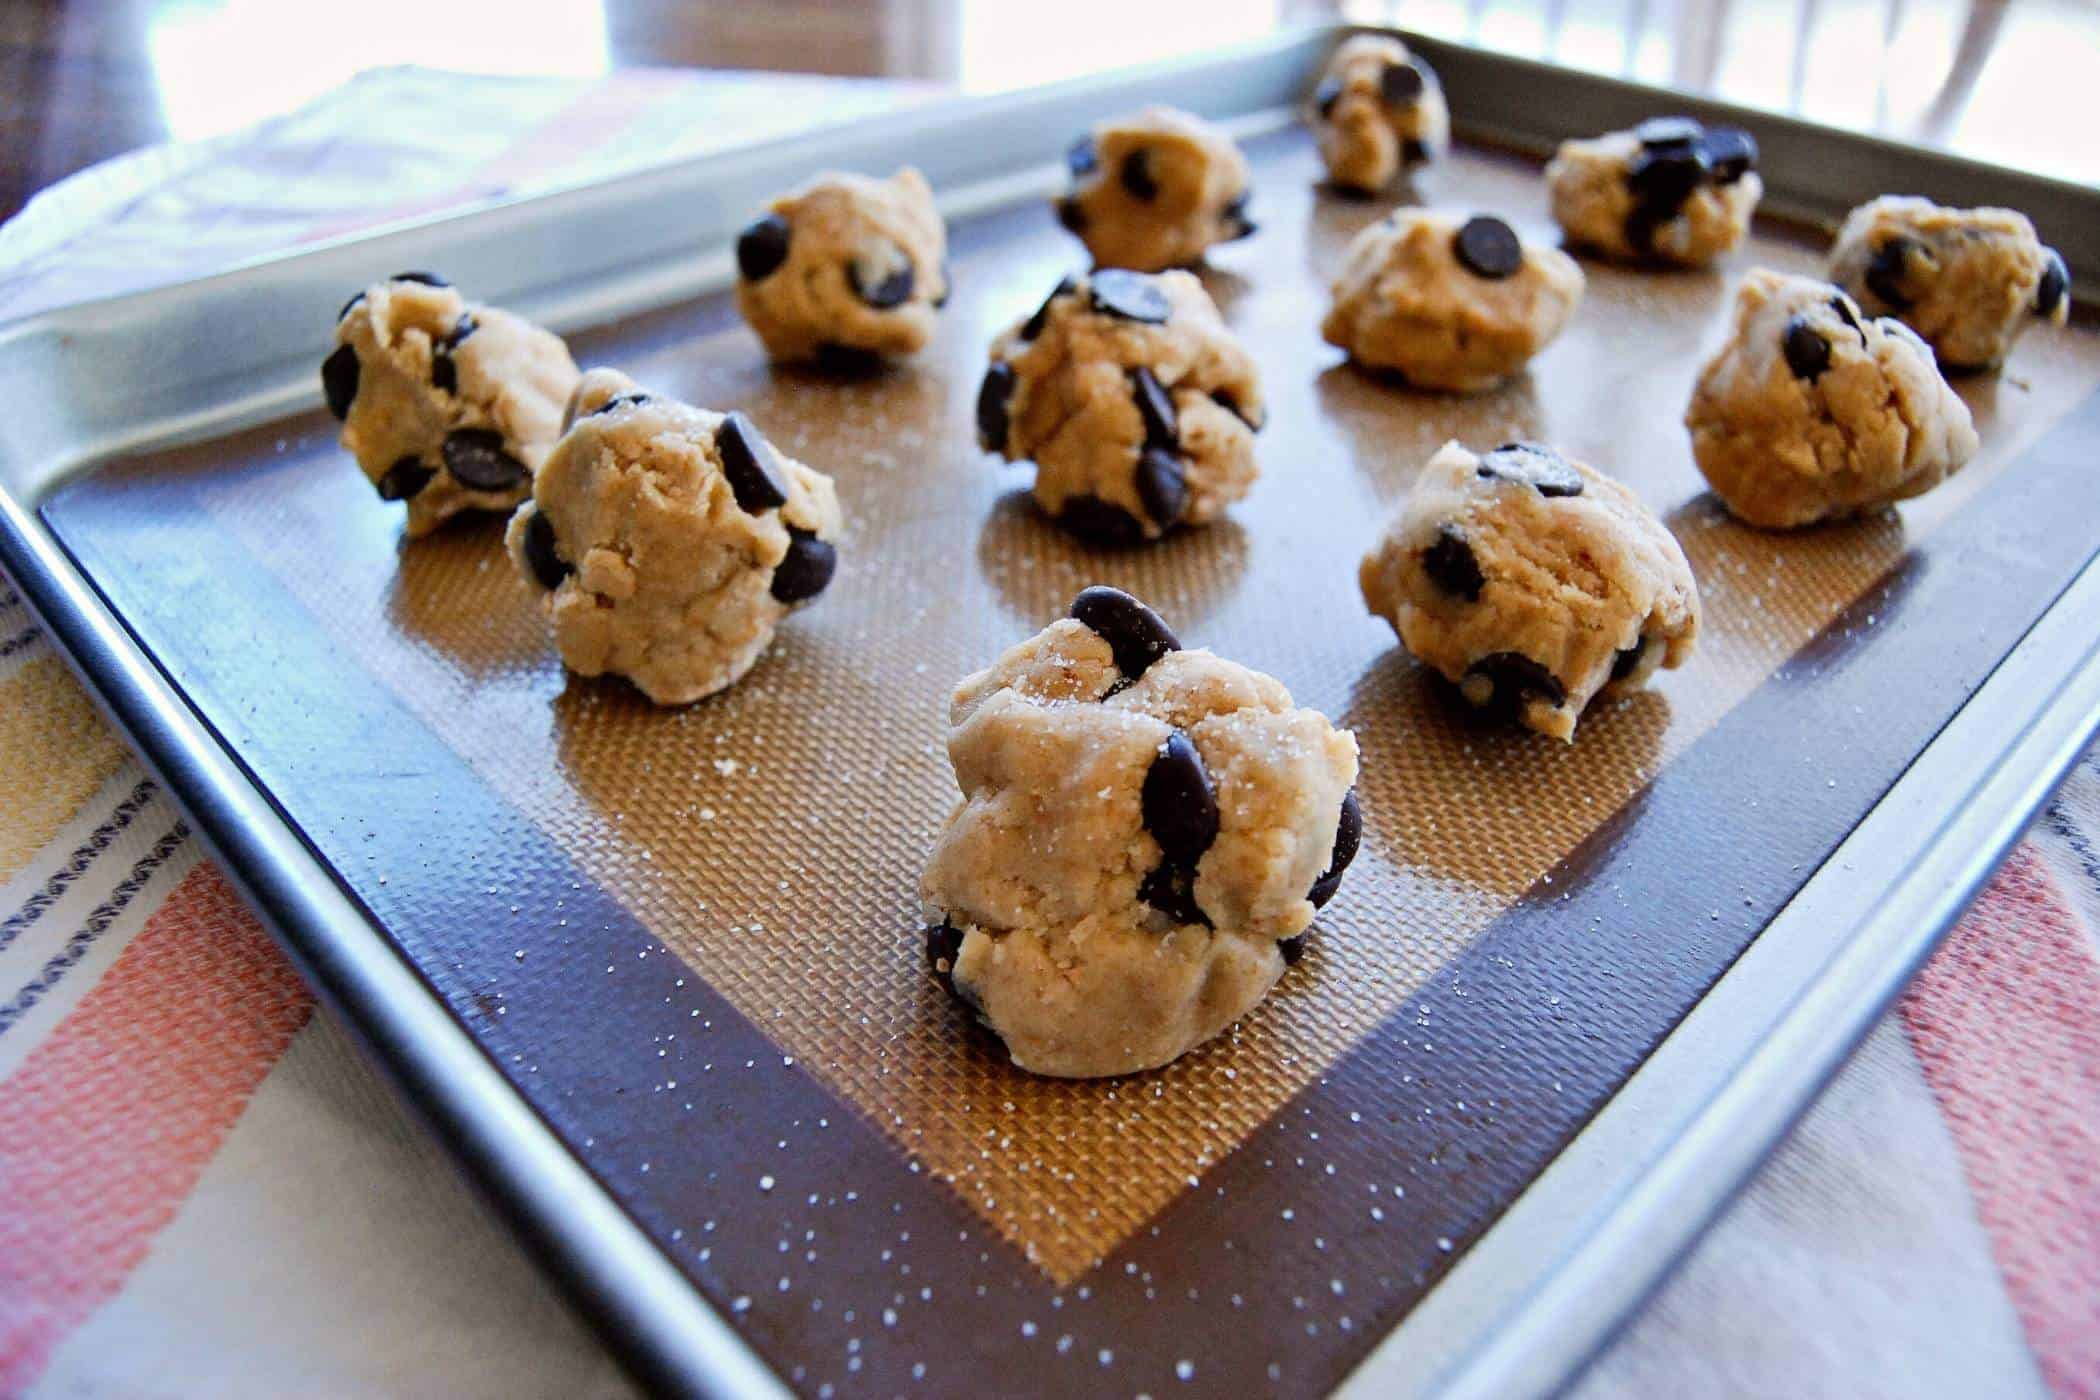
(1162, 484)
(762, 247)
(1348, 835)
(542, 554)
(893, 290)
(1033, 326)
(1235, 215)
(1807, 352)
(1136, 175)
(1534, 464)
(1511, 676)
(1155, 407)
(1071, 215)
(1849, 314)
(1171, 889)
(1132, 295)
(1081, 158)
(1662, 178)
(806, 569)
(1667, 131)
(477, 460)
(1451, 565)
(428, 279)
(444, 372)
(348, 306)
(1731, 153)
(992, 397)
(1100, 522)
(404, 479)
(1886, 269)
(943, 946)
(339, 380)
(1488, 247)
(618, 401)
(2055, 284)
(1413, 151)
(1180, 802)
(747, 460)
(1326, 95)
(1400, 84)
(1134, 633)
(1626, 659)
(1292, 948)
(1231, 405)
(947, 286)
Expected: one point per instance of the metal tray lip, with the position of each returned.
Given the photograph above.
(647, 1310)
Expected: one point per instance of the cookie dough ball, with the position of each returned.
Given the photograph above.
(447, 404)
(1154, 190)
(1812, 412)
(1532, 583)
(1967, 280)
(1144, 836)
(1136, 404)
(669, 540)
(845, 268)
(1377, 111)
(1670, 190)
(1449, 304)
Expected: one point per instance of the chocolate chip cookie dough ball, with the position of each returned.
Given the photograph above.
(1155, 189)
(1531, 582)
(845, 269)
(1968, 280)
(670, 541)
(1144, 836)
(1377, 111)
(1812, 412)
(1670, 190)
(1449, 304)
(446, 404)
(1136, 404)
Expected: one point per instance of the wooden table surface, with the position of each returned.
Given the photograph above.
(82, 80)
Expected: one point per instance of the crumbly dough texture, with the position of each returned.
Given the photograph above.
(1041, 870)
(1810, 411)
(450, 405)
(1689, 223)
(1406, 302)
(1968, 280)
(1371, 126)
(1068, 390)
(1155, 189)
(845, 263)
(1532, 603)
(652, 567)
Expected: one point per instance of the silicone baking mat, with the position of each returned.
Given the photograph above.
(692, 937)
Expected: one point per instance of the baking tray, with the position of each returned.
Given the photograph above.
(655, 978)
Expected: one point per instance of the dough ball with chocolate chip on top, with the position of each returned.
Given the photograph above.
(1377, 111)
(1671, 190)
(1449, 303)
(845, 271)
(1811, 411)
(1136, 404)
(447, 404)
(668, 541)
(1531, 582)
(1155, 189)
(1969, 281)
(1144, 836)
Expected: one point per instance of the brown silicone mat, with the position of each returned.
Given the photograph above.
(692, 936)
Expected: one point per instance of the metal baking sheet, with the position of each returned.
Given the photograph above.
(656, 974)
